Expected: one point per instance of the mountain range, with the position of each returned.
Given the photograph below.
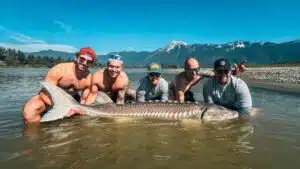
(175, 52)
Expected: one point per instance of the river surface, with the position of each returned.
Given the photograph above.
(269, 140)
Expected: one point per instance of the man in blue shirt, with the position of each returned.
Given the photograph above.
(227, 90)
(152, 86)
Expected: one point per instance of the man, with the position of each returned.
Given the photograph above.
(182, 83)
(226, 90)
(153, 86)
(73, 77)
(112, 80)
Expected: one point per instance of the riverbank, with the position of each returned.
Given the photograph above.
(283, 79)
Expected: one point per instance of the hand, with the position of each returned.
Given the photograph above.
(73, 111)
(195, 80)
(256, 111)
(207, 75)
(243, 68)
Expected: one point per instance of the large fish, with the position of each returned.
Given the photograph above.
(171, 110)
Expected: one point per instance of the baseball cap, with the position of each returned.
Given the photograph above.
(88, 50)
(154, 68)
(115, 57)
(222, 64)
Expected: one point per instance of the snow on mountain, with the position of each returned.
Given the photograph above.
(240, 45)
(173, 44)
(237, 44)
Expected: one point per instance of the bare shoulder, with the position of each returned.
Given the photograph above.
(122, 81)
(123, 75)
(61, 68)
(63, 65)
(97, 77)
(180, 78)
(123, 78)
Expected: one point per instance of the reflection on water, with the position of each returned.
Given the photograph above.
(266, 141)
(77, 144)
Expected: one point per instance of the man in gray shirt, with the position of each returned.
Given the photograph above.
(152, 86)
(226, 90)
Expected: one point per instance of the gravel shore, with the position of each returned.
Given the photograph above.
(288, 75)
(285, 79)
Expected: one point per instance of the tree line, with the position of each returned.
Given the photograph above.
(16, 58)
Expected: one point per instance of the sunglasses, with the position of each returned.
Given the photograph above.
(88, 62)
(193, 69)
(154, 74)
(220, 71)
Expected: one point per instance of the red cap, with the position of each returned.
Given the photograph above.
(87, 50)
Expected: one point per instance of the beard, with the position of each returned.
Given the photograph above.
(113, 74)
(82, 67)
(223, 79)
(154, 82)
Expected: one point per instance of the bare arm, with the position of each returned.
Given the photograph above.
(93, 92)
(178, 87)
(85, 95)
(121, 96)
(53, 76)
(182, 86)
(86, 91)
(123, 82)
(180, 96)
(35, 106)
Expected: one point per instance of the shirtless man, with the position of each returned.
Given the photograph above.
(182, 83)
(73, 77)
(112, 80)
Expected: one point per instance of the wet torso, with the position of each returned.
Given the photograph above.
(69, 81)
(110, 86)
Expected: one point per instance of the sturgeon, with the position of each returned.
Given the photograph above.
(62, 102)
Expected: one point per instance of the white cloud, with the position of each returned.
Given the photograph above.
(29, 44)
(62, 25)
(21, 38)
(130, 48)
(38, 47)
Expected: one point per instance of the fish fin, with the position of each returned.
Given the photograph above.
(62, 102)
(53, 115)
(102, 98)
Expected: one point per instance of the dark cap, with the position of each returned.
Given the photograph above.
(222, 64)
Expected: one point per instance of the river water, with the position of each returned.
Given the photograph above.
(269, 140)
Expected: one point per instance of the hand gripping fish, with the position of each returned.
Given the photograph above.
(170, 110)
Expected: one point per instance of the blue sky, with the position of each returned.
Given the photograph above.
(110, 26)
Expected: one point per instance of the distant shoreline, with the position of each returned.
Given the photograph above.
(293, 89)
(282, 79)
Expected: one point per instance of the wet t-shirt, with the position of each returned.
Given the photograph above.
(234, 95)
(146, 91)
